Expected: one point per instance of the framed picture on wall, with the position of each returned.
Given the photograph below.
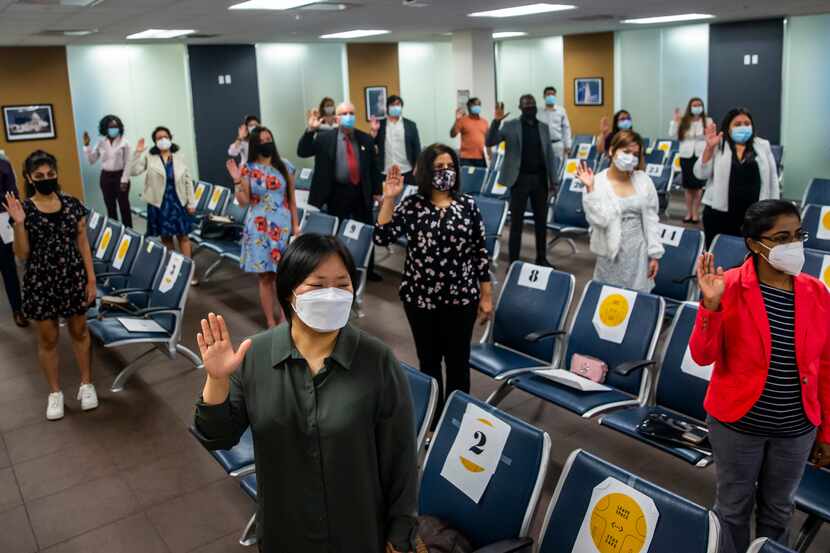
(34, 122)
(588, 91)
(375, 102)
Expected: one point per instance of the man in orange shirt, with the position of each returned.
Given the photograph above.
(473, 130)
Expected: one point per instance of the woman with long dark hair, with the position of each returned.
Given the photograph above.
(764, 326)
(265, 184)
(114, 152)
(446, 283)
(739, 169)
(689, 129)
(59, 282)
(329, 408)
(328, 117)
(620, 122)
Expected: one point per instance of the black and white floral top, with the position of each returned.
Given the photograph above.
(446, 256)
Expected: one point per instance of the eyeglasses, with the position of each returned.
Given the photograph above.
(800, 236)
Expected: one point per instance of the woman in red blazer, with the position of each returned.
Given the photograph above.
(766, 328)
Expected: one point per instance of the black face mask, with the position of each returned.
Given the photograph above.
(46, 186)
(529, 112)
(268, 149)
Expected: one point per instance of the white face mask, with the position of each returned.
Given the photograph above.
(324, 310)
(625, 162)
(787, 258)
(164, 144)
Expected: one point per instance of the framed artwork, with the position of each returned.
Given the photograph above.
(35, 122)
(588, 91)
(375, 102)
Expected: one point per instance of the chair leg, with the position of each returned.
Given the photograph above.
(209, 270)
(248, 537)
(498, 396)
(127, 372)
(191, 355)
(807, 533)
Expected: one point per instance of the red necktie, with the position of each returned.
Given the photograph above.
(351, 159)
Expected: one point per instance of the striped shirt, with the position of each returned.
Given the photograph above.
(779, 412)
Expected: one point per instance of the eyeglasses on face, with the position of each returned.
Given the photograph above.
(787, 238)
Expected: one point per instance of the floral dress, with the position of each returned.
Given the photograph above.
(268, 223)
(54, 284)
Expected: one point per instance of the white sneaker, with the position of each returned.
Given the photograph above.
(87, 397)
(54, 410)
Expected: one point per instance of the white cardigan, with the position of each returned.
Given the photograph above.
(156, 180)
(717, 170)
(604, 214)
(694, 142)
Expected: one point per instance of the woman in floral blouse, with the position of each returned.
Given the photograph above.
(446, 282)
(266, 184)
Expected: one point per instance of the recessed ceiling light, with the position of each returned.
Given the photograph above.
(326, 7)
(508, 34)
(160, 34)
(669, 18)
(271, 4)
(530, 9)
(355, 34)
(80, 32)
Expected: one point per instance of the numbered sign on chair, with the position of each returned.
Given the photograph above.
(200, 189)
(476, 452)
(305, 173)
(499, 189)
(93, 219)
(576, 186)
(471, 170)
(664, 146)
(676, 162)
(105, 241)
(171, 273)
(150, 245)
(825, 271)
(613, 313)
(214, 198)
(823, 232)
(654, 169)
(669, 234)
(121, 252)
(583, 151)
(570, 168)
(534, 276)
(353, 229)
(689, 366)
(619, 519)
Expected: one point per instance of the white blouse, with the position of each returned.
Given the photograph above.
(694, 142)
(114, 155)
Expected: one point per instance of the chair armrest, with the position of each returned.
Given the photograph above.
(507, 375)
(626, 368)
(517, 545)
(542, 334)
(157, 311)
(109, 274)
(125, 291)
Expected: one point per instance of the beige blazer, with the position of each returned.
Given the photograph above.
(156, 179)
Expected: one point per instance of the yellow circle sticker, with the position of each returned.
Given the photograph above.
(825, 221)
(613, 310)
(618, 525)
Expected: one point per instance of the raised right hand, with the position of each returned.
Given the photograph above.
(314, 120)
(500, 114)
(217, 350)
(15, 208)
(393, 185)
(586, 176)
(710, 281)
(677, 115)
(139, 147)
(86, 138)
(459, 113)
(242, 132)
(604, 125)
(233, 170)
(713, 137)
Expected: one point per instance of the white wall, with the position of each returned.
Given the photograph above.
(805, 130)
(293, 78)
(144, 85)
(657, 70)
(428, 89)
(527, 66)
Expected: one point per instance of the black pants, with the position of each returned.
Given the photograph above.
(444, 334)
(473, 162)
(9, 270)
(347, 202)
(113, 194)
(720, 222)
(534, 187)
(690, 181)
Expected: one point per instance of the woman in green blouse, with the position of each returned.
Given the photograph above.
(330, 411)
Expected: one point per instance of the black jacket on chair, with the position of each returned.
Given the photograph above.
(322, 146)
(410, 137)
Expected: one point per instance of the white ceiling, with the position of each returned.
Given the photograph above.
(21, 23)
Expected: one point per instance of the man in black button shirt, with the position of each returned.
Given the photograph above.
(528, 171)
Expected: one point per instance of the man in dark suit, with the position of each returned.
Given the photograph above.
(397, 140)
(346, 178)
(528, 171)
